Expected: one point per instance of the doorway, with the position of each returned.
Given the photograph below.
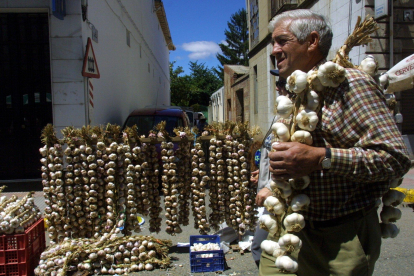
(239, 106)
(25, 92)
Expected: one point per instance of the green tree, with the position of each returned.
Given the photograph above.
(180, 86)
(195, 88)
(204, 78)
(236, 49)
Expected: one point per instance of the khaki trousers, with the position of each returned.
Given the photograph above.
(351, 248)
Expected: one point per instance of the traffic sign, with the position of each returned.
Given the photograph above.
(90, 66)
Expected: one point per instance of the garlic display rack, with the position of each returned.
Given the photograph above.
(96, 178)
(109, 254)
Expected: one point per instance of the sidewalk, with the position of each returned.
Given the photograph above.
(408, 181)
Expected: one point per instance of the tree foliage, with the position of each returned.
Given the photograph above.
(236, 49)
(195, 88)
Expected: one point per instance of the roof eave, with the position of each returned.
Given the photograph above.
(162, 18)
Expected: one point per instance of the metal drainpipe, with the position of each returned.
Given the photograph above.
(397, 94)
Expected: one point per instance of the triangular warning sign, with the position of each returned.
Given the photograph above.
(90, 67)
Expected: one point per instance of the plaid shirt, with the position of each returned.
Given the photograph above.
(367, 149)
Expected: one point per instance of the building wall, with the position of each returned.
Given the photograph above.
(131, 76)
(233, 84)
(343, 16)
(266, 90)
(217, 106)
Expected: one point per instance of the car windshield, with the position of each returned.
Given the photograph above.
(145, 123)
(190, 116)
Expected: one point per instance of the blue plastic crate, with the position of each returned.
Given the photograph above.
(198, 261)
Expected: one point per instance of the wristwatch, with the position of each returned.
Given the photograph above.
(326, 162)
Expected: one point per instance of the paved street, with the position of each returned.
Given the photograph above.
(396, 258)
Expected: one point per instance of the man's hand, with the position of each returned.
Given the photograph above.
(294, 160)
(262, 195)
(254, 178)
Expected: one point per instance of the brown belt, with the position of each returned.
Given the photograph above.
(341, 220)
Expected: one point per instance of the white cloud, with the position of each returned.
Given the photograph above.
(201, 49)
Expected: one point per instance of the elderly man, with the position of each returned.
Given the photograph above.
(357, 149)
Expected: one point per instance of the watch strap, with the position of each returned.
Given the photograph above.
(328, 153)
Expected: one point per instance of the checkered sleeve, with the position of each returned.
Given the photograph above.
(366, 143)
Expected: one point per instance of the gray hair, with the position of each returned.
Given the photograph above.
(303, 22)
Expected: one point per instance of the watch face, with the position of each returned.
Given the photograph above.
(326, 163)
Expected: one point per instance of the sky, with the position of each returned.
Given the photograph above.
(197, 27)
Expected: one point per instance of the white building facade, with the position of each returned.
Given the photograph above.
(44, 43)
(216, 108)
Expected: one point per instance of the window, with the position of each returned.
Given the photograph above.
(256, 91)
(254, 22)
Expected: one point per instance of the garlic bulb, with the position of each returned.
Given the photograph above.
(269, 224)
(369, 65)
(281, 186)
(281, 131)
(294, 222)
(314, 82)
(394, 183)
(390, 214)
(269, 246)
(286, 263)
(312, 100)
(300, 183)
(393, 198)
(284, 106)
(274, 206)
(389, 230)
(307, 119)
(299, 202)
(331, 74)
(290, 243)
(297, 82)
(302, 136)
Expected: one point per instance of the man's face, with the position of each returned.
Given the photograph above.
(290, 54)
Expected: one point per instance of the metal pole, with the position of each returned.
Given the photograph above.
(391, 34)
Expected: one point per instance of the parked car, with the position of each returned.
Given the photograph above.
(147, 118)
(191, 115)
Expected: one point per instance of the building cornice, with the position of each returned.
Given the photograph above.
(162, 18)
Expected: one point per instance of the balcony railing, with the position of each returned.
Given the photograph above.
(279, 6)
